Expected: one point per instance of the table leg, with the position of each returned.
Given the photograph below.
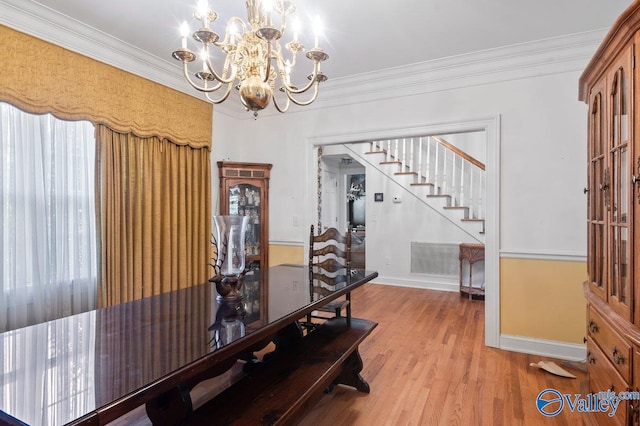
(170, 407)
(350, 374)
(174, 405)
(286, 339)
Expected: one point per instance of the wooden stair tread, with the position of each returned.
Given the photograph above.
(456, 207)
(376, 152)
(390, 162)
(421, 184)
(438, 195)
(472, 220)
(406, 173)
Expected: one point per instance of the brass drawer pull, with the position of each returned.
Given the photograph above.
(593, 327)
(618, 358)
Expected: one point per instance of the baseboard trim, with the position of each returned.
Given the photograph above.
(542, 347)
(424, 282)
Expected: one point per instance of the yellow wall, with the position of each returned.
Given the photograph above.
(285, 254)
(543, 299)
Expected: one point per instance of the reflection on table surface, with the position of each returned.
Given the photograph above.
(55, 372)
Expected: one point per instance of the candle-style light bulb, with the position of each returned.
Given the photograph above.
(204, 55)
(184, 32)
(296, 28)
(267, 7)
(318, 30)
(233, 31)
(203, 11)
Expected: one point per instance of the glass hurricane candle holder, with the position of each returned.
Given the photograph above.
(230, 263)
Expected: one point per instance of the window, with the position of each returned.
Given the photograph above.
(48, 260)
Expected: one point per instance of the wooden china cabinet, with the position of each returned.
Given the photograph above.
(611, 89)
(244, 190)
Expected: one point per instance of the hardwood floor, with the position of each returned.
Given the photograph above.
(427, 365)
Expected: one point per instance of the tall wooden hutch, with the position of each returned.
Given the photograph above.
(244, 190)
(611, 89)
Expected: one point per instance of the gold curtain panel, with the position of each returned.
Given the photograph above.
(154, 208)
(40, 77)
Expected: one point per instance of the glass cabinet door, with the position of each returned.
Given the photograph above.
(620, 181)
(244, 200)
(596, 259)
(244, 191)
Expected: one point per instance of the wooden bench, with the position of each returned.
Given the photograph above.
(280, 389)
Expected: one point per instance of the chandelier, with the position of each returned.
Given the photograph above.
(253, 59)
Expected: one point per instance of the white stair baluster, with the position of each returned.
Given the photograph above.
(411, 166)
(403, 163)
(428, 174)
(395, 151)
(462, 189)
(420, 160)
(388, 150)
(445, 178)
(455, 191)
(436, 169)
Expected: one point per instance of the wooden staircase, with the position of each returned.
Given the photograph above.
(439, 173)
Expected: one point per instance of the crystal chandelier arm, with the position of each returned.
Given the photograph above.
(228, 33)
(283, 110)
(312, 79)
(223, 97)
(308, 102)
(268, 59)
(226, 65)
(205, 89)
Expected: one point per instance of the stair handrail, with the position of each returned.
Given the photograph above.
(438, 170)
(377, 148)
(459, 152)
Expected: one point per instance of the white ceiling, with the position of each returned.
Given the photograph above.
(364, 35)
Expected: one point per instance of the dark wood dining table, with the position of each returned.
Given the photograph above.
(93, 367)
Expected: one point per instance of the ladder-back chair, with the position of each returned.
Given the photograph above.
(329, 267)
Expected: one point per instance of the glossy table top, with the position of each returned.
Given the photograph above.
(59, 371)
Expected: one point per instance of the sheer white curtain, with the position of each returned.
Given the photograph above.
(48, 260)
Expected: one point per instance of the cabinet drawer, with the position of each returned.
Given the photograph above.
(612, 344)
(603, 377)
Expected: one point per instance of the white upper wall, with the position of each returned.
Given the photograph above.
(543, 154)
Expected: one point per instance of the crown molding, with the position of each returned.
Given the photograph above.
(543, 57)
(539, 58)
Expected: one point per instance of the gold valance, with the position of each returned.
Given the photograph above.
(40, 77)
